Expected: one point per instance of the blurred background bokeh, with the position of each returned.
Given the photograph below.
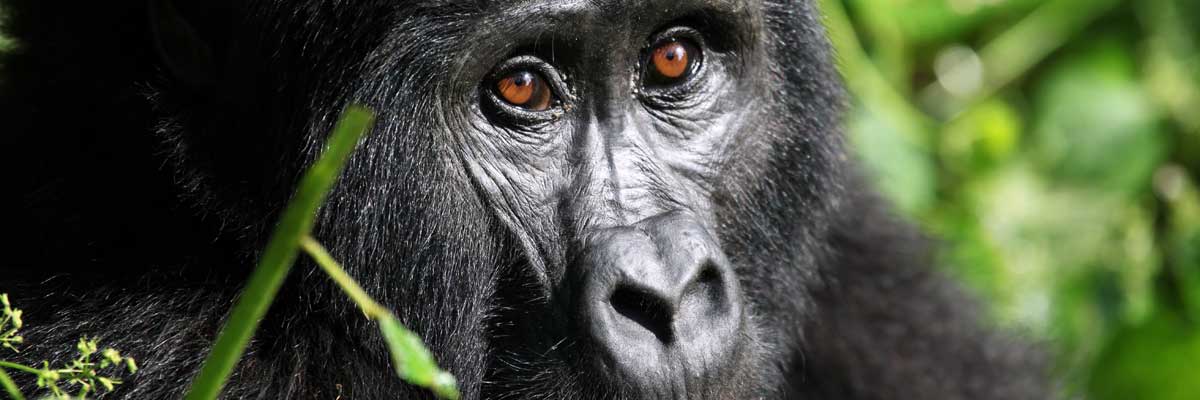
(1053, 147)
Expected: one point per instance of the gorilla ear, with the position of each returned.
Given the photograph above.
(192, 38)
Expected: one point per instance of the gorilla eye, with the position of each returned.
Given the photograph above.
(525, 89)
(673, 60)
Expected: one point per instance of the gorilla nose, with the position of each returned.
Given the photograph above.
(663, 307)
(661, 293)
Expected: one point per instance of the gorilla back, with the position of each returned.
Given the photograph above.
(565, 199)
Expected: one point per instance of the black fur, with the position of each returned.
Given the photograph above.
(142, 203)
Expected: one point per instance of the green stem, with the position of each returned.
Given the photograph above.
(280, 253)
(19, 367)
(373, 309)
(1028, 42)
(411, 359)
(890, 50)
(10, 386)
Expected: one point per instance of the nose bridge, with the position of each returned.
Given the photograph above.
(629, 254)
(622, 181)
(620, 175)
(682, 245)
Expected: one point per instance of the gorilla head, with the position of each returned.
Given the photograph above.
(566, 199)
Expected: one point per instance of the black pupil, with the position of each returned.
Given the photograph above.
(523, 79)
(673, 54)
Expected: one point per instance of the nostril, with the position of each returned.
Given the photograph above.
(646, 309)
(709, 284)
(705, 297)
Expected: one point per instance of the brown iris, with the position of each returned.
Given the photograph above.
(525, 89)
(671, 60)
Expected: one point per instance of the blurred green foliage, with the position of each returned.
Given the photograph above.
(1053, 147)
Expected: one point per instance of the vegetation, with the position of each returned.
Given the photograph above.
(1053, 146)
(89, 373)
(412, 361)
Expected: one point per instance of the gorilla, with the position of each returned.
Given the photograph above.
(566, 199)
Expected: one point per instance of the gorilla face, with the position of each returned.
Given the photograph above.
(597, 133)
(601, 136)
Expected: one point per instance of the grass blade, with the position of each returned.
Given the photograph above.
(277, 259)
(9, 386)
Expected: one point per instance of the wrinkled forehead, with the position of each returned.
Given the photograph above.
(615, 11)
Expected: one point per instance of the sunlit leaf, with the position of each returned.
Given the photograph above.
(982, 138)
(413, 362)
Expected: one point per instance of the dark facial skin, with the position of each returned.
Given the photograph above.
(609, 191)
(584, 199)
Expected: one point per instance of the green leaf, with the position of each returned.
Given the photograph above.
(107, 383)
(413, 362)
